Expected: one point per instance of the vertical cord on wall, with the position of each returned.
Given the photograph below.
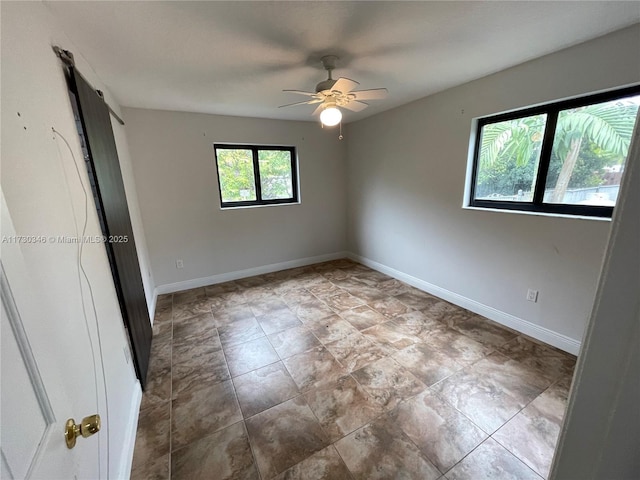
(82, 272)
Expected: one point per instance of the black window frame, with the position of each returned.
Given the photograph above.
(552, 110)
(256, 175)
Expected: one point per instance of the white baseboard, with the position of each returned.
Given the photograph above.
(130, 439)
(249, 272)
(545, 335)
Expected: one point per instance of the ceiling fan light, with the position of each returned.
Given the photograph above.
(330, 116)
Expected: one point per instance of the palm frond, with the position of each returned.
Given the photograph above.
(511, 139)
(494, 137)
(608, 126)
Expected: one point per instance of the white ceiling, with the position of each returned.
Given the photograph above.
(235, 58)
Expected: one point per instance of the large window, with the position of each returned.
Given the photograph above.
(567, 157)
(256, 175)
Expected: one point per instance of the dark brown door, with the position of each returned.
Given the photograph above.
(111, 202)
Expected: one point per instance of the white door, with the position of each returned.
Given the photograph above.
(49, 373)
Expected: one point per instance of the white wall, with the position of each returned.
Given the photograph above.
(41, 191)
(406, 175)
(174, 167)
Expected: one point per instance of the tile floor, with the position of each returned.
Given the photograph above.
(336, 371)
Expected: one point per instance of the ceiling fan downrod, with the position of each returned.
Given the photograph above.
(329, 64)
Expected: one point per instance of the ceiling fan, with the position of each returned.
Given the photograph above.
(331, 94)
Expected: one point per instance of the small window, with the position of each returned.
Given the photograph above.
(256, 175)
(567, 157)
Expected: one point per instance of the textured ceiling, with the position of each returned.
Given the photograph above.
(235, 58)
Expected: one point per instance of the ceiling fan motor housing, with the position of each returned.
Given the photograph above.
(325, 85)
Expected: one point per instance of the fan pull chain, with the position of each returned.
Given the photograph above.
(340, 137)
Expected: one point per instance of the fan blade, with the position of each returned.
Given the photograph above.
(355, 106)
(373, 94)
(318, 110)
(299, 103)
(344, 85)
(300, 92)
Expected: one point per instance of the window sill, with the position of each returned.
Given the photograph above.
(538, 214)
(244, 207)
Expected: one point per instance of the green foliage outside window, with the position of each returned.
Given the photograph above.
(275, 174)
(239, 181)
(589, 141)
(235, 169)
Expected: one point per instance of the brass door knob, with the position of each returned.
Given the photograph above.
(87, 427)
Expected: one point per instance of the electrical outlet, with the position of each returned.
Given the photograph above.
(179, 264)
(532, 295)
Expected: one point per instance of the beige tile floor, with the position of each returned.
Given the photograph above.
(336, 371)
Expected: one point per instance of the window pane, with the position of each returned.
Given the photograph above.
(275, 174)
(590, 149)
(509, 158)
(235, 169)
